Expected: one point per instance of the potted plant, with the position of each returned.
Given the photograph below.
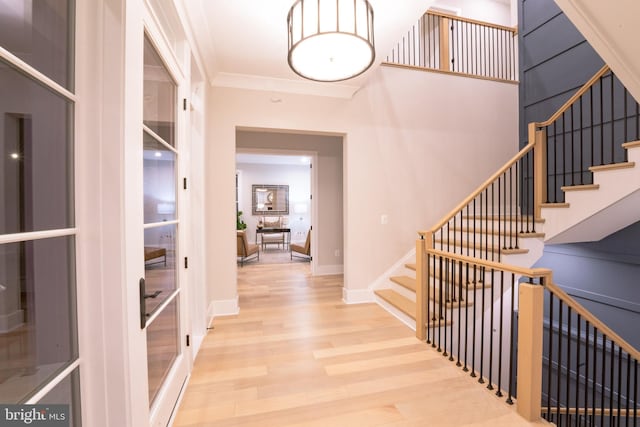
(240, 224)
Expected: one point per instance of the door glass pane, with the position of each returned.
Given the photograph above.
(159, 181)
(159, 96)
(37, 321)
(66, 392)
(159, 264)
(162, 346)
(40, 32)
(36, 166)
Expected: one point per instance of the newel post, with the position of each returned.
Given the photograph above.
(422, 273)
(445, 60)
(539, 137)
(530, 327)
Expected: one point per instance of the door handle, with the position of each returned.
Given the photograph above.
(153, 295)
(143, 308)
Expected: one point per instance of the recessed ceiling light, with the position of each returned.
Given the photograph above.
(276, 100)
(15, 156)
(158, 154)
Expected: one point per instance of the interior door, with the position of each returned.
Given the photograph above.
(161, 296)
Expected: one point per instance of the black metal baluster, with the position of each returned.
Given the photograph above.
(595, 374)
(602, 382)
(481, 380)
(591, 126)
(493, 224)
(439, 304)
(572, 169)
(611, 376)
(428, 278)
(619, 387)
(613, 159)
(499, 218)
(499, 392)
(586, 370)
(601, 123)
(451, 302)
(466, 318)
(473, 335)
(564, 155)
(413, 44)
(578, 340)
(560, 305)
(490, 386)
(581, 166)
(511, 343)
(635, 393)
(550, 356)
(568, 380)
(459, 309)
(628, 390)
(511, 206)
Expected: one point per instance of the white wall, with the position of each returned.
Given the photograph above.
(297, 177)
(494, 11)
(415, 144)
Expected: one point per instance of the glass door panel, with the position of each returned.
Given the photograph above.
(166, 369)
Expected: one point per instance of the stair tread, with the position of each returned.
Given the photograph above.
(403, 304)
(631, 144)
(407, 306)
(554, 205)
(582, 187)
(516, 218)
(411, 266)
(521, 234)
(612, 166)
(405, 281)
(484, 247)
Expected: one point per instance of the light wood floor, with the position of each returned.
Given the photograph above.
(296, 355)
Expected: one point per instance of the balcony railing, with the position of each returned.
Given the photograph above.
(452, 44)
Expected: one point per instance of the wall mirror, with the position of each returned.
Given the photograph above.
(270, 199)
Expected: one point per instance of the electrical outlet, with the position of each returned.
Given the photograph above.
(384, 219)
(337, 252)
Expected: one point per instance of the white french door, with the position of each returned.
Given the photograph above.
(161, 298)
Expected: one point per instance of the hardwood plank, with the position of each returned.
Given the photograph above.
(296, 355)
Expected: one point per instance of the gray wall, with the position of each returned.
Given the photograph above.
(555, 60)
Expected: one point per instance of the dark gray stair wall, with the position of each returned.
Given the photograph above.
(556, 60)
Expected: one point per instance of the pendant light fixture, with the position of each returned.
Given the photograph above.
(330, 40)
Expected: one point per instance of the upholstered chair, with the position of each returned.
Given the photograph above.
(302, 251)
(274, 222)
(246, 250)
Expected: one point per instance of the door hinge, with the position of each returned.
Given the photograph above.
(186, 262)
(184, 183)
(188, 341)
(310, 165)
(184, 104)
(310, 196)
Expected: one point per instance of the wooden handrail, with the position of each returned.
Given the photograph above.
(493, 265)
(617, 339)
(479, 190)
(514, 30)
(575, 97)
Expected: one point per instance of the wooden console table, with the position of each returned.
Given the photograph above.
(286, 231)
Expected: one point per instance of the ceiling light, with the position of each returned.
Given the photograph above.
(158, 154)
(330, 40)
(15, 156)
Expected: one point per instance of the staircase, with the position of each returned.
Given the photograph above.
(471, 265)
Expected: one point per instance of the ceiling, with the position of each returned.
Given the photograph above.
(272, 159)
(243, 43)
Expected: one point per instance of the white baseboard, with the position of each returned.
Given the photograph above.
(10, 321)
(382, 281)
(357, 296)
(327, 270)
(225, 307)
(196, 343)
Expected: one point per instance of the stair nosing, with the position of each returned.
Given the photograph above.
(631, 144)
(582, 187)
(612, 166)
(555, 205)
